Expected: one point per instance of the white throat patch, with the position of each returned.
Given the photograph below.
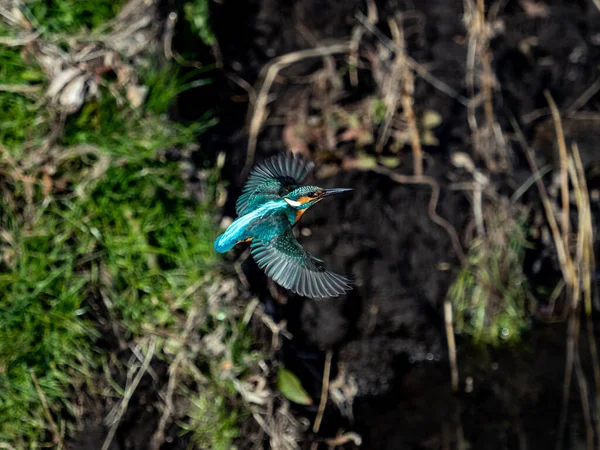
(293, 203)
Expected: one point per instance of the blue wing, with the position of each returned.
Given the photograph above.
(289, 265)
(272, 179)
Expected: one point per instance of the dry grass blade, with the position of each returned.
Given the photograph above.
(268, 75)
(564, 177)
(56, 437)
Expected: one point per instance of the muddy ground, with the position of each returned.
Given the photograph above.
(388, 333)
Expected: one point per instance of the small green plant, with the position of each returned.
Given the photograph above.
(491, 295)
(197, 13)
(213, 423)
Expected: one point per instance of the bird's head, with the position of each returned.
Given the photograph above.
(306, 196)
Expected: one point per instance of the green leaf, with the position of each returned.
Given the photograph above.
(291, 388)
(431, 119)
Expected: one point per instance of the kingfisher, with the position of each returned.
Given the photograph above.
(272, 201)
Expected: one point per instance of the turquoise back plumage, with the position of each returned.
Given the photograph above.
(271, 203)
(271, 180)
(251, 225)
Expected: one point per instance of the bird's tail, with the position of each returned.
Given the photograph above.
(223, 243)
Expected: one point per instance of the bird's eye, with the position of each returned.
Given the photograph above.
(313, 194)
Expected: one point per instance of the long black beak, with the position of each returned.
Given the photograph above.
(328, 192)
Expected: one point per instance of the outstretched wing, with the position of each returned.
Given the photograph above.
(289, 265)
(271, 179)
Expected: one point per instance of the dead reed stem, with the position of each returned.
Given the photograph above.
(564, 177)
(576, 268)
(324, 391)
(407, 94)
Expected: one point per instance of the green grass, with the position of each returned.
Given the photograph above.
(130, 234)
(72, 16)
(96, 220)
(22, 121)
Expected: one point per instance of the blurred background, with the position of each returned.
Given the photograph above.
(469, 132)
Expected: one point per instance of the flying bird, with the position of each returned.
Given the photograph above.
(272, 202)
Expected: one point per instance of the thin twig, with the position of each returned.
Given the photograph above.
(533, 178)
(128, 395)
(56, 439)
(584, 97)
(268, 74)
(324, 391)
(449, 321)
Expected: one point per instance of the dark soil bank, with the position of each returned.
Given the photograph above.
(388, 333)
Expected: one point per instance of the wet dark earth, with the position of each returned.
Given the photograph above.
(388, 333)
